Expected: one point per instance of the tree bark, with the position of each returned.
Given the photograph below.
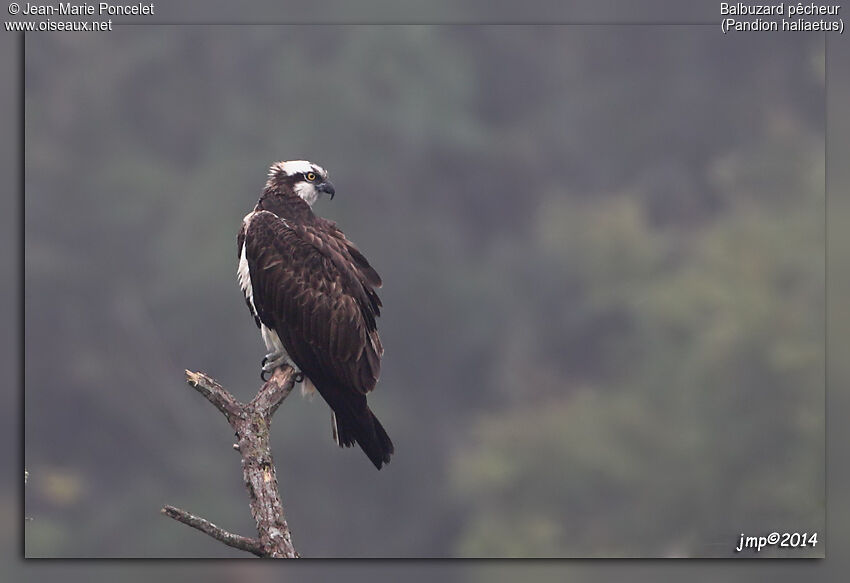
(251, 422)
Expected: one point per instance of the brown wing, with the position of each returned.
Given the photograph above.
(316, 291)
(369, 274)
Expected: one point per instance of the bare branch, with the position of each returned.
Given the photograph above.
(214, 393)
(276, 389)
(236, 541)
(251, 422)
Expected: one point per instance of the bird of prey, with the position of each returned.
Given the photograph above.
(312, 295)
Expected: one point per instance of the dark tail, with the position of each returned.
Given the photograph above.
(359, 425)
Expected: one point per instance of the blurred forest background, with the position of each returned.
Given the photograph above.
(603, 255)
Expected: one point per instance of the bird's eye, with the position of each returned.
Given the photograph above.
(311, 176)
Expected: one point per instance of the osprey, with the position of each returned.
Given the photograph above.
(312, 295)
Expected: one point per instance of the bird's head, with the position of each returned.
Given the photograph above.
(300, 177)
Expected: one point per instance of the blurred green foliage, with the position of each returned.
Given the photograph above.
(602, 250)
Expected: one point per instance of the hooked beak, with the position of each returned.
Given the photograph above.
(327, 188)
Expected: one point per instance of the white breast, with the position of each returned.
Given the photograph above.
(245, 279)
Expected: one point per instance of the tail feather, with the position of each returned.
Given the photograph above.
(363, 428)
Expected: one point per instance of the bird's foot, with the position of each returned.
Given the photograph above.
(298, 378)
(270, 362)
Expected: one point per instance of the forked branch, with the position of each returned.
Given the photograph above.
(251, 422)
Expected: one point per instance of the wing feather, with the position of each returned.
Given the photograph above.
(317, 292)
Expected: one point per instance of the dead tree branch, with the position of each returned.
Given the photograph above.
(251, 422)
(243, 543)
